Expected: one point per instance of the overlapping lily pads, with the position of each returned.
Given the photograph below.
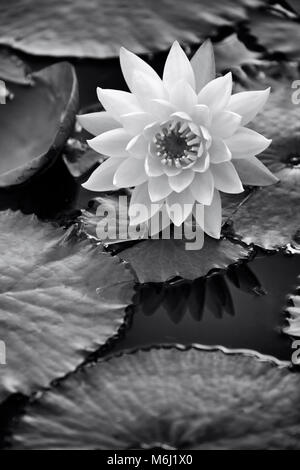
(61, 298)
(293, 311)
(36, 123)
(270, 217)
(98, 29)
(168, 398)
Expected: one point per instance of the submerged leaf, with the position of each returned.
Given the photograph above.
(60, 299)
(168, 398)
(270, 217)
(36, 123)
(162, 260)
(99, 29)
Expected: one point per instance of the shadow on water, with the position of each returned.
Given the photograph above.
(240, 309)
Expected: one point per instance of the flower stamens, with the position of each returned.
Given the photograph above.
(177, 145)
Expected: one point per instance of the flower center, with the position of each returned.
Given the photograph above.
(177, 145)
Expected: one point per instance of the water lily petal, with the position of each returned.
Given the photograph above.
(146, 88)
(102, 178)
(97, 123)
(140, 198)
(178, 67)
(202, 187)
(112, 143)
(216, 94)
(159, 188)
(171, 170)
(248, 103)
(161, 110)
(225, 124)
(131, 62)
(118, 102)
(134, 123)
(153, 166)
(219, 152)
(138, 146)
(213, 217)
(179, 206)
(202, 164)
(150, 130)
(183, 97)
(226, 178)
(201, 115)
(181, 181)
(203, 63)
(246, 142)
(130, 173)
(253, 172)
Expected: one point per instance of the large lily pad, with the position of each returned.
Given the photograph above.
(178, 399)
(60, 299)
(36, 123)
(293, 311)
(98, 29)
(270, 216)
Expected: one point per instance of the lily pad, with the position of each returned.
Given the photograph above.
(231, 53)
(162, 260)
(168, 398)
(277, 34)
(61, 298)
(293, 311)
(98, 29)
(36, 123)
(270, 216)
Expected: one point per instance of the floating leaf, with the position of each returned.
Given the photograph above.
(270, 217)
(36, 123)
(99, 29)
(231, 52)
(13, 69)
(277, 34)
(293, 310)
(162, 260)
(168, 398)
(60, 299)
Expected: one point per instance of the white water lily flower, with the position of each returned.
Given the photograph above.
(177, 140)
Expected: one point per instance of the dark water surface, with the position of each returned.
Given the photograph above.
(218, 312)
